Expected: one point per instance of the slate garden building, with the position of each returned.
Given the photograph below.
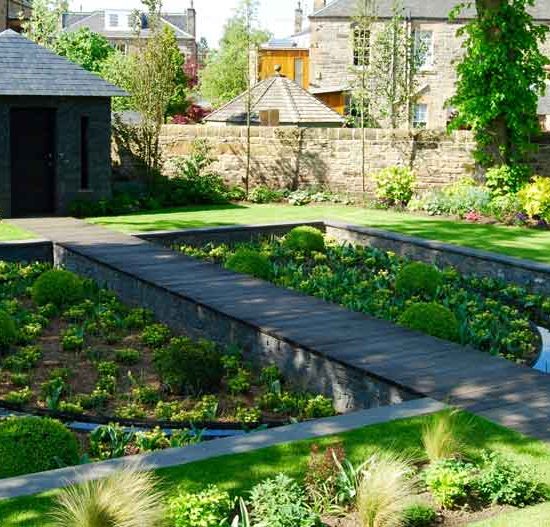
(55, 130)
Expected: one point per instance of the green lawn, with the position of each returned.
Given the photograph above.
(238, 473)
(514, 241)
(9, 233)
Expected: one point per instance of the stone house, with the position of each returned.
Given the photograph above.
(11, 13)
(118, 26)
(332, 54)
(55, 130)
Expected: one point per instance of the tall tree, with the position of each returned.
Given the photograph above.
(500, 80)
(226, 72)
(84, 47)
(44, 24)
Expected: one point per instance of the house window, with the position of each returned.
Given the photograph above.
(122, 47)
(299, 72)
(420, 116)
(84, 153)
(361, 46)
(424, 48)
(113, 20)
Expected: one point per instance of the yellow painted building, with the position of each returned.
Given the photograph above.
(294, 64)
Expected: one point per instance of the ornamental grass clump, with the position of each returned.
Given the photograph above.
(58, 287)
(305, 238)
(440, 437)
(386, 490)
(248, 261)
(418, 278)
(431, 318)
(125, 499)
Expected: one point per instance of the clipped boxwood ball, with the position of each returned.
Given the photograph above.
(431, 318)
(59, 287)
(248, 261)
(418, 278)
(306, 239)
(35, 444)
(8, 330)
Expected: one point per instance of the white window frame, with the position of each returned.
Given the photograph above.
(122, 20)
(419, 120)
(419, 36)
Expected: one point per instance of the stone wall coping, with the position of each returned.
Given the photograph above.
(34, 242)
(45, 481)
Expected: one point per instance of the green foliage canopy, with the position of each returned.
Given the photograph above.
(84, 47)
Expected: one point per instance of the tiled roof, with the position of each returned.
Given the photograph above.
(296, 106)
(95, 21)
(427, 9)
(30, 69)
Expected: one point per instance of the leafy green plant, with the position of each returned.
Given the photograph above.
(419, 515)
(431, 318)
(280, 502)
(384, 492)
(72, 338)
(156, 335)
(95, 400)
(248, 261)
(146, 394)
(451, 482)
(35, 444)
(263, 194)
(128, 498)
(270, 374)
(52, 391)
(110, 441)
(418, 278)
(502, 481)
(305, 238)
(127, 356)
(138, 318)
(70, 408)
(208, 508)
(506, 180)
(189, 367)
(20, 380)
(19, 397)
(394, 185)
(240, 381)
(440, 437)
(59, 287)
(8, 330)
(318, 406)
(248, 416)
(535, 198)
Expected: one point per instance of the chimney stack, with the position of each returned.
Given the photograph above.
(192, 20)
(318, 5)
(298, 19)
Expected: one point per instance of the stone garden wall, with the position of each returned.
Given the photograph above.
(331, 157)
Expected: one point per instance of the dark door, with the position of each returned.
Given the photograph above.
(32, 161)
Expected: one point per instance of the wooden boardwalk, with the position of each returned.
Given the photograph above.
(511, 395)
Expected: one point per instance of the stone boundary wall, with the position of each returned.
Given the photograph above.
(27, 251)
(350, 388)
(288, 157)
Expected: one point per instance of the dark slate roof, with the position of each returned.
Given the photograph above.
(425, 9)
(95, 21)
(30, 69)
(296, 106)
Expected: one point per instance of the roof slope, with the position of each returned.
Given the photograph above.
(430, 9)
(295, 105)
(30, 69)
(95, 21)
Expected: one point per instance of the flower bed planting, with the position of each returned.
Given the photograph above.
(480, 312)
(71, 349)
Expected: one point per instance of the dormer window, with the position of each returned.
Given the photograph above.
(118, 20)
(113, 20)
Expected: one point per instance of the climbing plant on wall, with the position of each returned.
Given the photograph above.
(500, 79)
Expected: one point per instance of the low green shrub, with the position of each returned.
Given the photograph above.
(19, 397)
(8, 330)
(418, 278)
(95, 400)
(263, 194)
(270, 374)
(281, 502)
(506, 179)
(535, 198)
(247, 416)
(431, 318)
(318, 407)
(131, 411)
(23, 360)
(127, 356)
(419, 515)
(70, 408)
(35, 444)
(395, 185)
(239, 382)
(502, 482)
(208, 508)
(305, 238)
(20, 380)
(187, 366)
(59, 287)
(248, 261)
(156, 335)
(451, 482)
(138, 318)
(72, 339)
(110, 441)
(148, 395)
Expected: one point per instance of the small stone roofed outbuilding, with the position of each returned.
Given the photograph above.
(55, 130)
(277, 101)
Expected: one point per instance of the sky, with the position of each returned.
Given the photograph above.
(276, 15)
